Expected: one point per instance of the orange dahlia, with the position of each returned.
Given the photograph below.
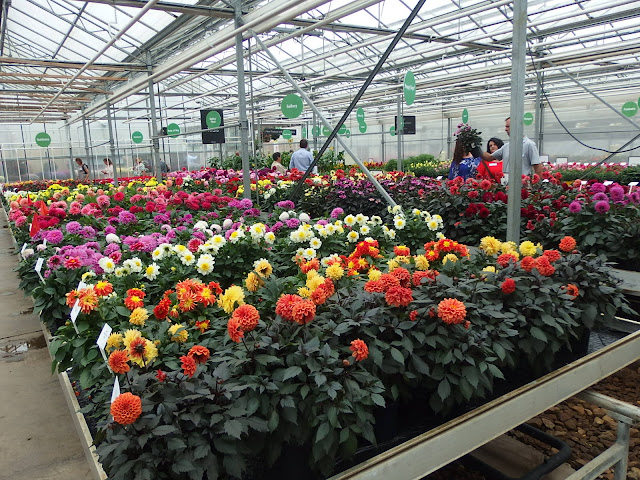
(189, 365)
(544, 266)
(118, 361)
(389, 280)
(285, 305)
(527, 263)
(359, 349)
(137, 347)
(206, 297)
(199, 353)
(103, 288)
(126, 408)
(552, 255)
(401, 250)
(135, 291)
(403, 275)
(399, 296)
(88, 300)
(248, 316)
(303, 312)
(573, 290)
(413, 314)
(72, 296)
(504, 259)
(234, 328)
(452, 310)
(567, 244)
(508, 286)
(203, 325)
(132, 302)
(374, 286)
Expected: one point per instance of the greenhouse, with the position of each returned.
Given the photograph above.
(287, 239)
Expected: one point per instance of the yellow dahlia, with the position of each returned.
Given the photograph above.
(490, 245)
(138, 316)
(528, 248)
(178, 337)
(335, 272)
(232, 295)
(421, 262)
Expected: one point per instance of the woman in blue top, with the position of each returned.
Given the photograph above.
(463, 164)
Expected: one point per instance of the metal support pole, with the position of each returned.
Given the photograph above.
(538, 108)
(449, 139)
(85, 131)
(253, 110)
(71, 162)
(112, 146)
(242, 103)
(518, 64)
(313, 126)
(155, 151)
(384, 157)
(540, 114)
(306, 98)
(399, 128)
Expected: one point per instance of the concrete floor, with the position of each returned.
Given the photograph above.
(38, 440)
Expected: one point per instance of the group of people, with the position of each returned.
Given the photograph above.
(138, 169)
(300, 159)
(467, 160)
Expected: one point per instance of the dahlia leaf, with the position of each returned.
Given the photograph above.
(233, 428)
(539, 334)
(444, 389)
(291, 372)
(201, 451)
(378, 399)
(164, 430)
(397, 355)
(323, 431)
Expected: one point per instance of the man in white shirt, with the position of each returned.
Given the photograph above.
(530, 157)
(302, 159)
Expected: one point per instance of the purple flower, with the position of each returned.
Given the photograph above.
(602, 206)
(286, 204)
(277, 226)
(73, 227)
(634, 197)
(322, 222)
(246, 203)
(600, 196)
(181, 228)
(161, 218)
(88, 232)
(336, 212)
(54, 236)
(109, 229)
(251, 212)
(598, 188)
(617, 193)
(54, 261)
(293, 223)
(575, 206)
(127, 217)
(199, 235)
(112, 247)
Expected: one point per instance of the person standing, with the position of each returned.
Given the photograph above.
(302, 158)
(530, 158)
(83, 170)
(139, 167)
(494, 144)
(276, 165)
(107, 171)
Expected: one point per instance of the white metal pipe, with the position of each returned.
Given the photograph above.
(115, 38)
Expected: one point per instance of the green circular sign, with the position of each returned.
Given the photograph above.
(465, 115)
(392, 131)
(347, 133)
(409, 88)
(286, 134)
(173, 130)
(43, 139)
(315, 131)
(291, 106)
(362, 127)
(343, 129)
(360, 114)
(629, 109)
(527, 119)
(325, 131)
(137, 137)
(213, 119)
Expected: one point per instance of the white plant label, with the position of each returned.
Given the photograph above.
(75, 311)
(81, 285)
(44, 242)
(632, 185)
(439, 178)
(607, 183)
(546, 180)
(38, 268)
(24, 247)
(102, 342)
(116, 390)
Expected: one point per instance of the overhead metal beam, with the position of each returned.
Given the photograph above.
(3, 23)
(38, 62)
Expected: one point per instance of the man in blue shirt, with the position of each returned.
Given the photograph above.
(302, 159)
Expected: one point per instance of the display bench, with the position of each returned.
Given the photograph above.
(440, 446)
